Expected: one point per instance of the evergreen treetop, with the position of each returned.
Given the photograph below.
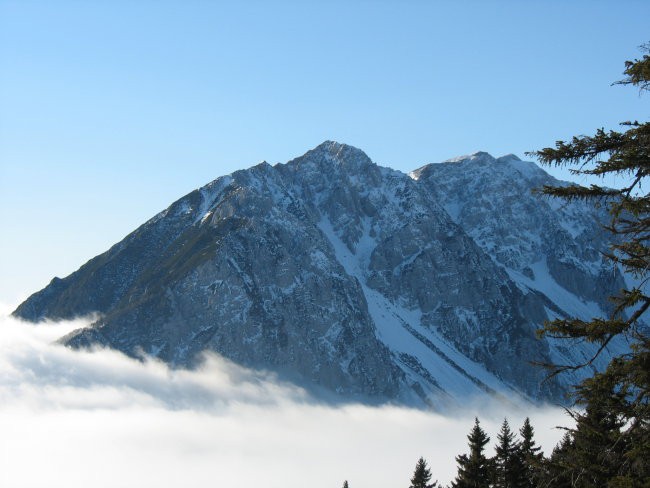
(508, 463)
(615, 425)
(529, 447)
(475, 469)
(422, 476)
(531, 455)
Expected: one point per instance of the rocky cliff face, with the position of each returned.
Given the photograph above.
(548, 247)
(353, 278)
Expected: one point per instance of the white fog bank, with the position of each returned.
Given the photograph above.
(79, 419)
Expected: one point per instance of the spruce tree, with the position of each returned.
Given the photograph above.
(616, 417)
(422, 476)
(557, 469)
(345, 484)
(474, 470)
(531, 455)
(596, 455)
(509, 469)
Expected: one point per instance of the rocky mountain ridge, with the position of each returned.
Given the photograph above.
(353, 278)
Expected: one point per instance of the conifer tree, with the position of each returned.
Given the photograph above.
(474, 470)
(345, 484)
(531, 455)
(422, 476)
(616, 419)
(557, 470)
(595, 457)
(508, 462)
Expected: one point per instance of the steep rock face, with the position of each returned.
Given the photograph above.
(548, 247)
(101, 282)
(405, 250)
(345, 275)
(493, 200)
(252, 278)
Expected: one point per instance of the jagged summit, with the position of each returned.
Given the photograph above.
(331, 154)
(509, 157)
(338, 150)
(478, 157)
(485, 163)
(349, 277)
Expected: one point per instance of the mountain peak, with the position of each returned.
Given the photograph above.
(509, 157)
(333, 272)
(339, 151)
(333, 154)
(478, 157)
(330, 146)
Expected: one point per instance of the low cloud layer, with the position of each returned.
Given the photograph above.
(100, 419)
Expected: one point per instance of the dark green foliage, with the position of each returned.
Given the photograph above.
(422, 476)
(474, 470)
(610, 445)
(638, 71)
(557, 470)
(601, 450)
(509, 471)
(345, 484)
(597, 452)
(612, 153)
(531, 455)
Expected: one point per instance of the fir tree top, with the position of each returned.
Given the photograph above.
(422, 476)
(474, 470)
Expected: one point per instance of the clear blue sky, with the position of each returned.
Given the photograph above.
(110, 110)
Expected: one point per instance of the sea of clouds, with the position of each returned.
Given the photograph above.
(100, 419)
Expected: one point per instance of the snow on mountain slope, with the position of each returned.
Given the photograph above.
(418, 351)
(352, 279)
(546, 245)
(403, 246)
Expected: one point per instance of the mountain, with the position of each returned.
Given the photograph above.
(354, 279)
(548, 247)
